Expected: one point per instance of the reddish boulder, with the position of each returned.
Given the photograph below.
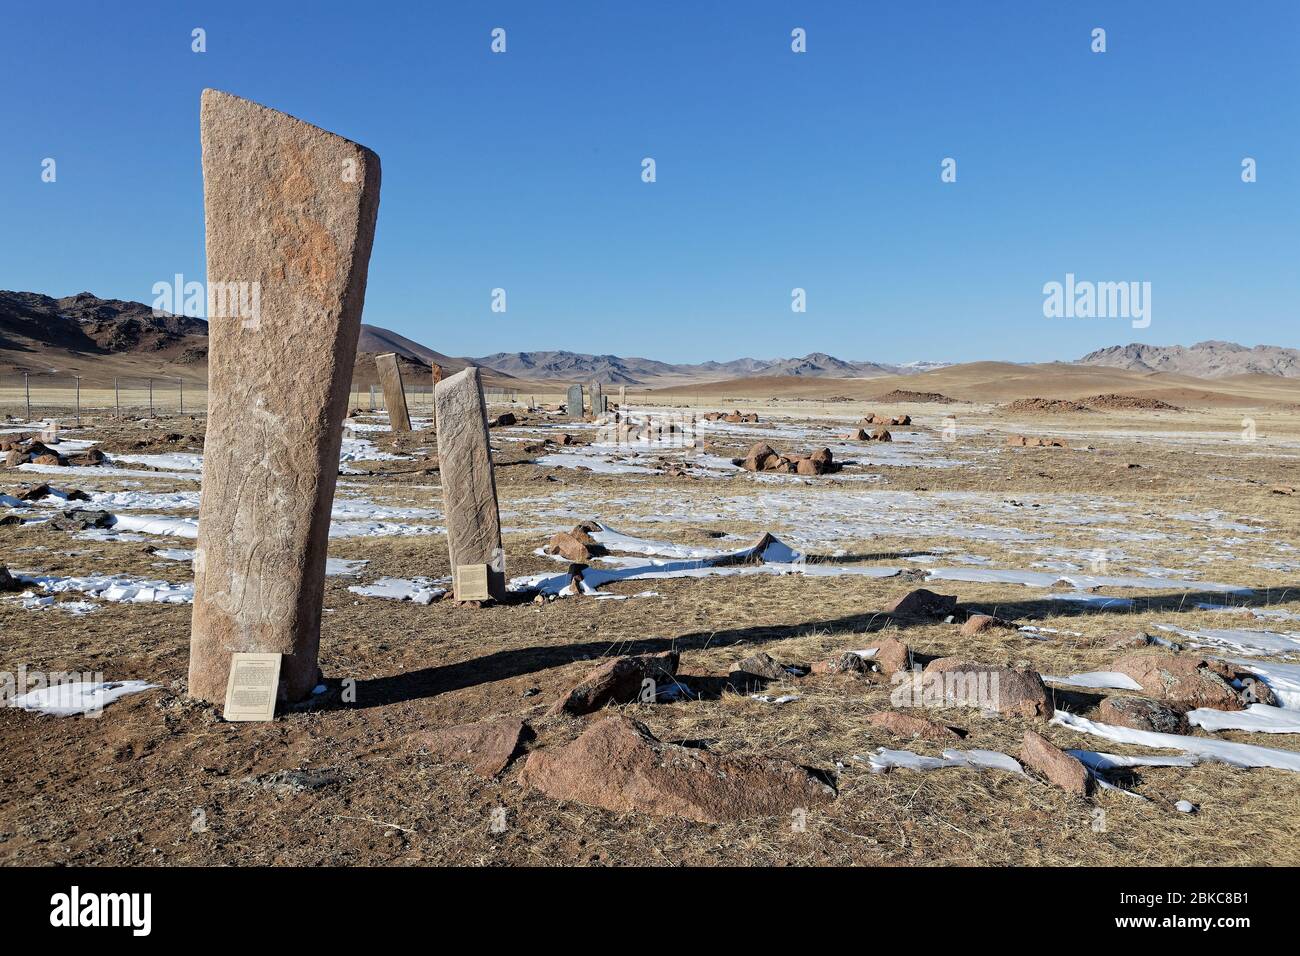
(1062, 770)
(983, 622)
(576, 545)
(964, 683)
(617, 764)
(758, 456)
(618, 681)
(486, 747)
(87, 458)
(1184, 680)
(912, 726)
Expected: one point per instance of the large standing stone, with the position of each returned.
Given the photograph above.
(573, 404)
(469, 490)
(291, 208)
(390, 376)
(597, 399)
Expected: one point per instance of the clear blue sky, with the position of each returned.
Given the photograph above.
(775, 169)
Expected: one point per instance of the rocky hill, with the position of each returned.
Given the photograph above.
(1211, 359)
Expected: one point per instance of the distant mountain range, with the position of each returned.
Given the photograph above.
(1203, 360)
(85, 335)
(616, 370)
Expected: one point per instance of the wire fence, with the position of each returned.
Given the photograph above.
(419, 398)
(36, 396)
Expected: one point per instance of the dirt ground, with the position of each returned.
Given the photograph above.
(161, 779)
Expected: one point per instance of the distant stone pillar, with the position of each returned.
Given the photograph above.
(433, 405)
(469, 490)
(289, 209)
(390, 377)
(597, 399)
(573, 404)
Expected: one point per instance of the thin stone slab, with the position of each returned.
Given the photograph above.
(573, 404)
(469, 489)
(390, 376)
(437, 377)
(597, 399)
(291, 208)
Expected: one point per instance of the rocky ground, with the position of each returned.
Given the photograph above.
(524, 733)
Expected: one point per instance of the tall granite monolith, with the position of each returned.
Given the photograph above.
(290, 214)
(573, 404)
(469, 490)
(390, 377)
(597, 399)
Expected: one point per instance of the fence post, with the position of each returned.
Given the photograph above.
(78, 378)
(27, 393)
(151, 398)
(117, 400)
(180, 382)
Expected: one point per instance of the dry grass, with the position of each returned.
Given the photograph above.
(125, 788)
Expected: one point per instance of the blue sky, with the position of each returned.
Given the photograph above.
(775, 170)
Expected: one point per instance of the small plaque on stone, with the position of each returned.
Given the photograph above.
(251, 689)
(472, 582)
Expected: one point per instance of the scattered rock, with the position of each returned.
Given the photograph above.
(1142, 639)
(923, 603)
(1036, 442)
(34, 494)
(294, 781)
(1062, 770)
(8, 582)
(1282, 490)
(760, 666)
(892, 655)
(1185, 680)
(617, 764)
(79, 519)
(912, 726)
(502, 420)
(619, 681)
(1142, 713)
(907, 395)
(1007, 690)
(485, 747)
(88, 458)
(576, 545)
(847, 662)
(983, 622)
(762, 457)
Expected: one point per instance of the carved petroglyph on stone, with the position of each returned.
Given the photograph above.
(390, 376)
(280, 213)
(469, 490)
